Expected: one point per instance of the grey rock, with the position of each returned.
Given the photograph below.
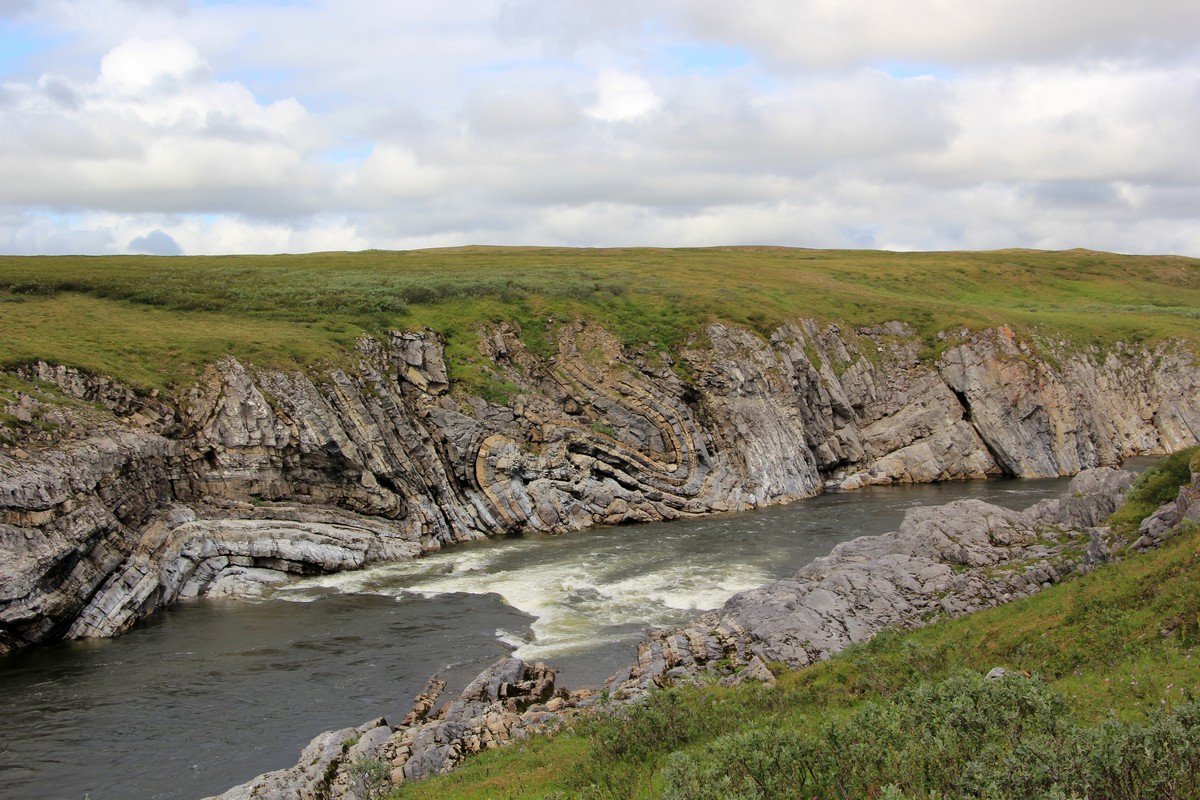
(494, 710)
(1161, 524)
(943, 561)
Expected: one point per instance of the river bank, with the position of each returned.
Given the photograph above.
(201, 696)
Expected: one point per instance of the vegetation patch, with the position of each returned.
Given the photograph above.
(1157, 485)
(967, 736)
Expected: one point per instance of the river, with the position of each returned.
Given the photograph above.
(207, 694)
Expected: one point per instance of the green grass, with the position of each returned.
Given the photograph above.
(156, 321)
(1119, 644)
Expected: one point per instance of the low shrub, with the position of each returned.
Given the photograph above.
(964, 737)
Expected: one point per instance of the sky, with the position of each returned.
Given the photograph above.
(237, 126)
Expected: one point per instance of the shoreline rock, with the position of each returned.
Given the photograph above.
(943, 561)
(507, 701)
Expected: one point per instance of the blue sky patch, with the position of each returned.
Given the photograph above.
(18, 42)
(702, 59)
(347, 152)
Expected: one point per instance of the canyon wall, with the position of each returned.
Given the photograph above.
(114, 503)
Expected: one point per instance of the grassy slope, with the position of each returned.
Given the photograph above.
(1097, 640)
(156, 321)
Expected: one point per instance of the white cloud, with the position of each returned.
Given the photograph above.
(273, 127)
(153, 132)
(140, 63)
(622, 97)
(1103, 122)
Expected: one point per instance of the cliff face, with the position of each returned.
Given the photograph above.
(128, 502)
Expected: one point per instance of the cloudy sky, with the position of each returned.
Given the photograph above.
(211, 126)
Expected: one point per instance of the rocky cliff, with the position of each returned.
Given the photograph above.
(113, 503)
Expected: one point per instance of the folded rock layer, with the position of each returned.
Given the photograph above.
(121, 503)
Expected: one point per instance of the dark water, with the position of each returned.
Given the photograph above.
(208, 694)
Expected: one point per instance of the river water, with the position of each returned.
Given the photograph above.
(208, 694)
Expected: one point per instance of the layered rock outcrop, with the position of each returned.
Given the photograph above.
(116, 503)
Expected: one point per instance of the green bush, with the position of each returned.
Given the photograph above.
(668, 719)
(1161, 483)
(964, 737)
(1159, 759)
(760, 762)
(1157, 485)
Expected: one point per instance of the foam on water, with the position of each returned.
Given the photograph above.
(606, 586)
(578, 597)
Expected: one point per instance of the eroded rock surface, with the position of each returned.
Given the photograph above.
(114, 503)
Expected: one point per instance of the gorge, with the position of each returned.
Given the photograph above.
(205, 695)
(118, 501)
(261, 473)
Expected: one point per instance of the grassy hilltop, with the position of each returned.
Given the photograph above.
(155, 321)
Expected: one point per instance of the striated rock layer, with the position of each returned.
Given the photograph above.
(117, 503)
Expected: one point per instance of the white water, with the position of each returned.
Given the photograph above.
(578, 600)
(605, 586)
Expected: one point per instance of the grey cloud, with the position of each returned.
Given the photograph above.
(155, 243)
(53, 139)
(62, 93)
(222, 125)
(796, 34)
(1177, 204)
(573, 23)
(462, 134)
(508, 113)
(1084, 194)
(12, 8)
